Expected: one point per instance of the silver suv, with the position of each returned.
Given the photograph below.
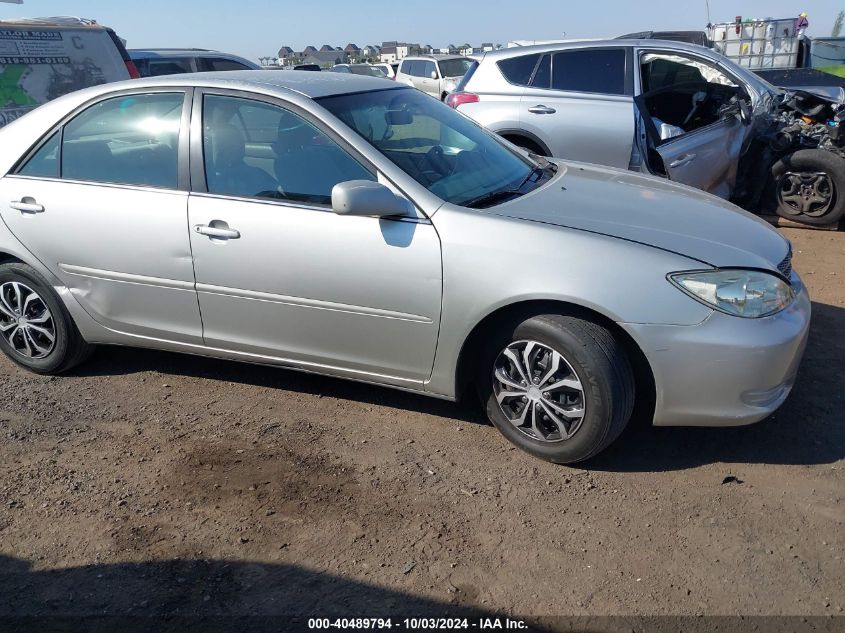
(672, 109)
(437, 75)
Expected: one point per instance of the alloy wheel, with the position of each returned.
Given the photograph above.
(538, 391)
(806, 193)
(25, 321)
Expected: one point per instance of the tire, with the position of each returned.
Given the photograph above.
(818, 169)
(527, 144)
(589, 356)
(43, 312)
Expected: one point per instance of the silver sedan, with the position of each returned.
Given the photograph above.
(349, 226)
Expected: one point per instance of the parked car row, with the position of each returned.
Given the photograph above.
(671, 109)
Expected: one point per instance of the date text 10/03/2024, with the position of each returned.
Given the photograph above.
(417, 624)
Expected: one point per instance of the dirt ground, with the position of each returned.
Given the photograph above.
(152, 483)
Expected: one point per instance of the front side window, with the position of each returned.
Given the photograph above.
(427, 69)
(255, 149)
(439, 148)
(682, 94)
(132, 140)
(598, 70)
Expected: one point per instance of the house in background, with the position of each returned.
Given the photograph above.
(353, 53)
(324, 59)
(287, 56)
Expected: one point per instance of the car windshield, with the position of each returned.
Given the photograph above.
(439, 148)
(454, 67)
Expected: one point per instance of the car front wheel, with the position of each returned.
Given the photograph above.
(558, 387)
(36, 331)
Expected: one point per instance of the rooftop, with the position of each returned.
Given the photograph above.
(313, 85)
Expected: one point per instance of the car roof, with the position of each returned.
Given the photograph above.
(505, 53)
(57, 23)
(436, 57)
(312, 85)
(166, 51)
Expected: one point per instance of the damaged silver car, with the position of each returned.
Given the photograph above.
(672, 109)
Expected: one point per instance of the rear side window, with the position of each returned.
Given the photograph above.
(172, 66)
(599, 71)
(130, 140)
(218, 63)
(518, 70)
(406, 67)
(543, 74)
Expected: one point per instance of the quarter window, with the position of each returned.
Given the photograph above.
(45, 162)
(255, 149)
(599, 71)
(517, 70)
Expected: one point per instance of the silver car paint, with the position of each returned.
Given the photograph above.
(601, 129)
(603, 247)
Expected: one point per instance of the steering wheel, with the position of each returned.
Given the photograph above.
(437, 159)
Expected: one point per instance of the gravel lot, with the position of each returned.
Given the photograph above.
(152, 483)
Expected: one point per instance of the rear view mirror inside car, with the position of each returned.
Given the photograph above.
(398, 117)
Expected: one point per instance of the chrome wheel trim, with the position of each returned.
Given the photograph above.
(538, 391)
(26, 322)
(806, 193)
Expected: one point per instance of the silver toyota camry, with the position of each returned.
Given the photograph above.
(345, 225)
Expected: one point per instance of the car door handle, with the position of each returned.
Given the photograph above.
(541, 109)
(27, 205)
(221, 233)
(683, 160)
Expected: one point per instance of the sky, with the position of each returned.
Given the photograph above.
(256, 28)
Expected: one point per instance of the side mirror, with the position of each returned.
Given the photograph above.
(367, 198)
(434, 74)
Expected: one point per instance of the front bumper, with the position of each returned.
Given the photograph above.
(725, 371)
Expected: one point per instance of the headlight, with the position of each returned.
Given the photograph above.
(743, 293)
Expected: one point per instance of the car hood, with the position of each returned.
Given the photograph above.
(651, 211)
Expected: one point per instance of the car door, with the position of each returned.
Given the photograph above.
(579, 102)
(103, 204)
(279, 274)
(683, 109)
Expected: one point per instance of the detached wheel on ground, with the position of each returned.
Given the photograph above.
(558, 387)
(36, 332)
(808, 186)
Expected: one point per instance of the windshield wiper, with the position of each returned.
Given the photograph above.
(503, 195)
(491, 197)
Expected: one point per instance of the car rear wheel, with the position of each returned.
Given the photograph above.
(808, 186)
(36, 331)
(558, 387)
